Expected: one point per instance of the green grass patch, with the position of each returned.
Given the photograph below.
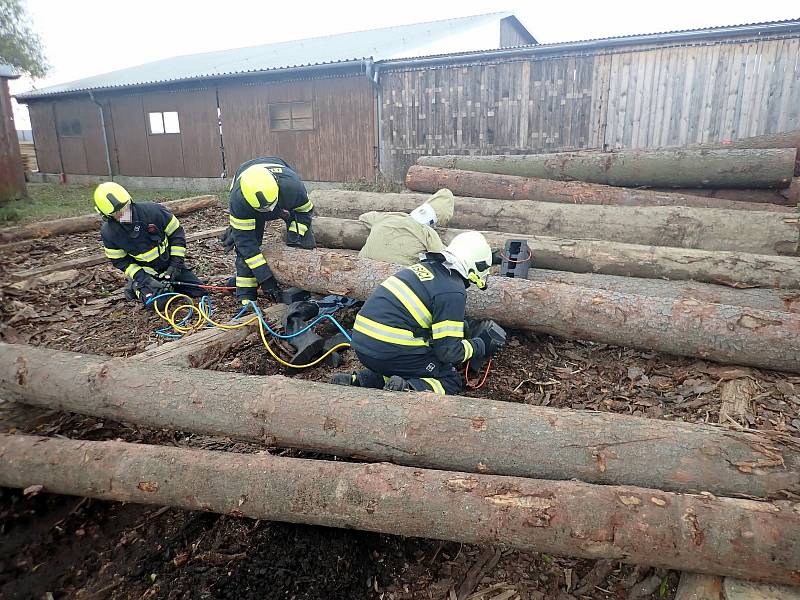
(54, 201)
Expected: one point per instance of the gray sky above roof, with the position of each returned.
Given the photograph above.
(76, 39)
(377, 44)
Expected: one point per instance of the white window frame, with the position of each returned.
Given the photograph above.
(157, 123)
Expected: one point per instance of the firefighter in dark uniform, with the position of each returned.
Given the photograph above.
(265, 189)
(146, 242)
(410, 332)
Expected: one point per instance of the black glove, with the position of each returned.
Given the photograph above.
(172, 272)
(492, 335)
(227, 239)
(270, 288)
(150, 287)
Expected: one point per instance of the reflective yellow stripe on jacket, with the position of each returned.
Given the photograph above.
(172, 226)
(242, 224)
(444, 329)
(410, 300)
(468, 349)
(153, 253)
(177, 251)
(303, 208)
(113, 253)
(384, 333)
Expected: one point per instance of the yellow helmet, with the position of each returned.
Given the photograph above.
(109, 197)
(259, 187)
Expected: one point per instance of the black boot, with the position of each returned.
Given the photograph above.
(345, 379)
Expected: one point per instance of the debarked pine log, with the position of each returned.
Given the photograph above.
(718, 332)
(510, 187)
(725, 536)
(423, 430)
(44, 229)
(735, 269)
(666, 167)
(678, 227)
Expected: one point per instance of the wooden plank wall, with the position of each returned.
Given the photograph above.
(194, 152)
(341, 147)
(641, 97)
(43, 125)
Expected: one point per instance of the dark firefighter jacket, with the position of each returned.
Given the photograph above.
(418, 310)
(148, 244)
(247, 224)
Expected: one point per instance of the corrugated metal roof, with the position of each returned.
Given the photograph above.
(746, 29)
(8, 71)
(375, 44)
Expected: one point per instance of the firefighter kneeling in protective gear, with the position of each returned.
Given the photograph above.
(265, 189)
(410, 332)
(146, 242)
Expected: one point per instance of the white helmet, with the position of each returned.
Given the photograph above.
(470, 254)
(424, 214)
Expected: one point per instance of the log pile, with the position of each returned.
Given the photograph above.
(653, 270)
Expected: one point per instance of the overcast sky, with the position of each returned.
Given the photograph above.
(88, 37)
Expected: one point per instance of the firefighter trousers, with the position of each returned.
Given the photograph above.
(423, 372)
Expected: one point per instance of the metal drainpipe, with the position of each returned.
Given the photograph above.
(371, 70)
(105, 135)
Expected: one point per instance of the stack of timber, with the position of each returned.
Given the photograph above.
(468, 470)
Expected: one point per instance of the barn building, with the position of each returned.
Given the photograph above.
(350, 106)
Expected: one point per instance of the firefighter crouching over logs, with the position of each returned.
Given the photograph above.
(265, 189)
(146, 242)
(410, 333)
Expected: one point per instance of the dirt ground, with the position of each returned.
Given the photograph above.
(65, 547)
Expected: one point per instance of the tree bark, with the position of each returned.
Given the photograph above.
(510, 187)
(678, 227)
(742, 538)
(766, 299)
(702, 168)
(718, 332)
(96, 259)
(735, 269)
(421, 430)
(44, 229)
(788, 139)
(786, 197)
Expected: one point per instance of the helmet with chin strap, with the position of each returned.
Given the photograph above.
(110, 197)
(470, 254)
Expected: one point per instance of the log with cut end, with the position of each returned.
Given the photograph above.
(681, 227)
(726, 536)
(718, 332)
(735, 269)
(685, 167)
(45, 229)
(510, 187)
(423, 430)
